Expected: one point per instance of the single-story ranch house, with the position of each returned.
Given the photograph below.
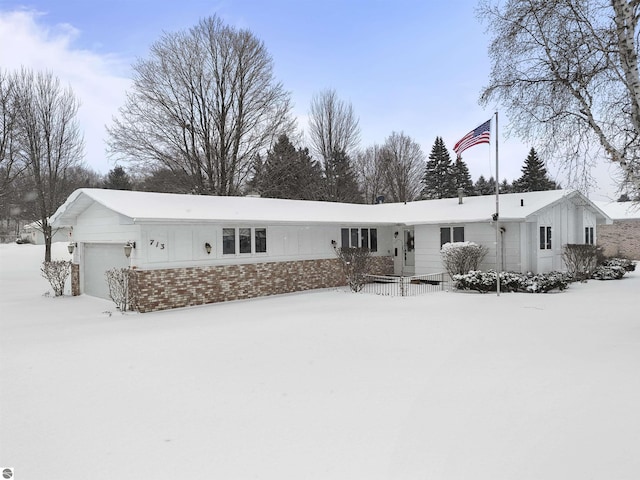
(190, 250)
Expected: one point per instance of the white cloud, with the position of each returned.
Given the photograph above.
(98, 81)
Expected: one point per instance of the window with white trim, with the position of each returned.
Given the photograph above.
(451, 234)
(244, 240)
(545, 238)
(359, 237)
(588, 235)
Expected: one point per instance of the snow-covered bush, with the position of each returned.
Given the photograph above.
(461, 257)
(356, 263)
(580, 259)
(628, 265)
(56, 272)
(511, 282)
(122, 291)
(545, 282)
(613, 269)
(609, 272)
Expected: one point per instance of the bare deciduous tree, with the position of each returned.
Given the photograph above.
(50, 142)
(369, 167)
(567, 71)
(10, 165)
(404, 166)
(203, 105)
(333, 127)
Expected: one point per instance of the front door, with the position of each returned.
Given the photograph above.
(409, 252)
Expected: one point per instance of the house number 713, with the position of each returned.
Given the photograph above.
(155, 243)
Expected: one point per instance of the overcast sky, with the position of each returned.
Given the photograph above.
(407, 66)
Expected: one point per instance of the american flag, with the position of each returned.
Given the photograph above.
(474, 137)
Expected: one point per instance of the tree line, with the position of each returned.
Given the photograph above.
(206, 115)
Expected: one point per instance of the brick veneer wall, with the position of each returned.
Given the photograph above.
(75, 279)
(182, 287)
(622, 238)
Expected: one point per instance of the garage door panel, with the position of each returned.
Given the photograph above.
(98, 258)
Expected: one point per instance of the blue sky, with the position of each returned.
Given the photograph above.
(407, 66)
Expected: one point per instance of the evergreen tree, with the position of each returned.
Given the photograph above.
(278, 172)
(118, 179)
(462, 177)
(506, 187)
(438, 180)
(484, 186)
(309, 177)
(534, 176)
(287, 173)
(340, 180)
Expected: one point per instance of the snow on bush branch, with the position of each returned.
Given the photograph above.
(461, 257)
(56, 272)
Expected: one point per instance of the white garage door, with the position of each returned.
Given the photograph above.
(98, 258)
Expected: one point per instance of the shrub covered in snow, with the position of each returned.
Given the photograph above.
(56, 272)
(613, 269)
(511, 282)
(461, 257)
(628, 265)
(608, 272)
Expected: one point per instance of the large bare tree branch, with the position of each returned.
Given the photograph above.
(204, 104)
(567, 73)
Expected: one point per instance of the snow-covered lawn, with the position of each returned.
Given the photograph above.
(320, 385)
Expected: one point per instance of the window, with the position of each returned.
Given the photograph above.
(545, 238)
(261, 240)
(364, 237)
(359, 237)
(451, 234)
(354, 237)
(344, 233)
(228, 241)
(588, 235)
(243, 238)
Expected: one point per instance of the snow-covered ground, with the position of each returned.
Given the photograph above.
(320, 385)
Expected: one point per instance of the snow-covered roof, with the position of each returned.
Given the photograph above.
(621, 210)
(143, 207)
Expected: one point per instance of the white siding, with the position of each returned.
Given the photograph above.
(184, 245)
(98, 224)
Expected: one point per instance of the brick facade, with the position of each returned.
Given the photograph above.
(75, 279)
(621, 239)
(182, 287)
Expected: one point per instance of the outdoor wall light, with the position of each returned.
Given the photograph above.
(207, 247)
(334, 243)
(71, 246)
(395, 235)
(127, 248)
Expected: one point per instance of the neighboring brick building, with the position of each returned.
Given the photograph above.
(622, 238)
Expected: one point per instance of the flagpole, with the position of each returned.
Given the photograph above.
(498, 242)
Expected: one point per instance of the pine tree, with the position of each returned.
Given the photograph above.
(118, 179)
(462, 177)
(505, 186)
(340, 180)
(534, 176)
(287, 172)
(278, 172)
(484, 186)
(308, 184)
(438, 180)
